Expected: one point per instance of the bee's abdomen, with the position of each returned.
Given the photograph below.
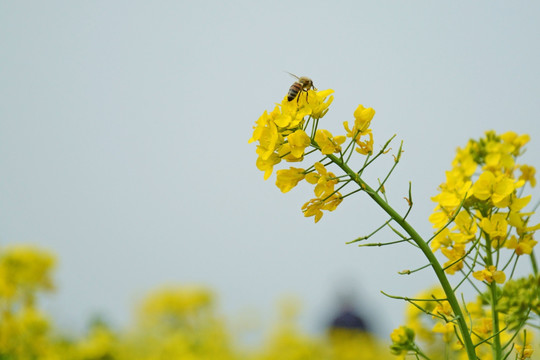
(294, 90)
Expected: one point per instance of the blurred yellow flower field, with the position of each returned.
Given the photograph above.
(175, 322)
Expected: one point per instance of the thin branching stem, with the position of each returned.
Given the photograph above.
(352, 192)
(391, 169)
(397, 297)
(370, 235)
(384, 244)
(410, 201)
(409, 272)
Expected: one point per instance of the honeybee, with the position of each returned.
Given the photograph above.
(303, 84)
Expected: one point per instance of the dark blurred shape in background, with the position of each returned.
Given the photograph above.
(348, 316)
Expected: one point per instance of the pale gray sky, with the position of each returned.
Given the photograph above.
(124, 128)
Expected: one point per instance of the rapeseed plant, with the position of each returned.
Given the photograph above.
(480, 225)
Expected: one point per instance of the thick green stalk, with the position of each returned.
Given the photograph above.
(439, 272)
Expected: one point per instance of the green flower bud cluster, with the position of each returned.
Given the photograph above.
(519, 299)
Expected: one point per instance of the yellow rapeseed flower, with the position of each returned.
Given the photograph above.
(497, 188)
(499, 157)
(521, 246)
(315, 207)
(518, 141)
(453, 191)
(455, 258)
(402, 341)
(496, 227)
(524, 352)
(363, 117)
(323, 180)
(320, 102)
(327, 143)
(466, 225)
(268, 165)
(438, 218)
(446, 329)
(441, 239)
(528, 174)
(464, 162)
(289, 178)
(490, 274)
(298, 142)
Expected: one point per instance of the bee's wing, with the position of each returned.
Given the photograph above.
(293, 75)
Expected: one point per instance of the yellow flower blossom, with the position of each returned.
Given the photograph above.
(327, 142)
(482, 188)
(466, 225)
(516, 204)
(298, 141)
(285, 153)
(446, 329)
(483, 326)
(518, 141)
(438, 218)
(362, 118)
(528, 174)
(332, 202)
(324, 180)
(523, 245)
(291, 114)
(401, 335)
(490, 274)
(454, 255)
(453, 191)
(443, 308)
(288, 179)
(314, 207)
(268, 165)
(402, 341)
(320, 102)
(365, 147)
(269, 140)
(499, 157)
(261, 124)
(361, 129)
(498, 188)
(464, 162)
(496, 227)
(441, 239)
(523, 352)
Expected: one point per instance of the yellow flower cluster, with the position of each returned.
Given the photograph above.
(402, 341)
(431, 319)
(481, 200)
(283, 135)
(24, 271)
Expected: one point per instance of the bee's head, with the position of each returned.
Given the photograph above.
(306, 82)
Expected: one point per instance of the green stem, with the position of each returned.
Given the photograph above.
(497, 350)
(533, 263)
(443, 280)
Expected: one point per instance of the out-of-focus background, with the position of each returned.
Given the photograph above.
(124, 128)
